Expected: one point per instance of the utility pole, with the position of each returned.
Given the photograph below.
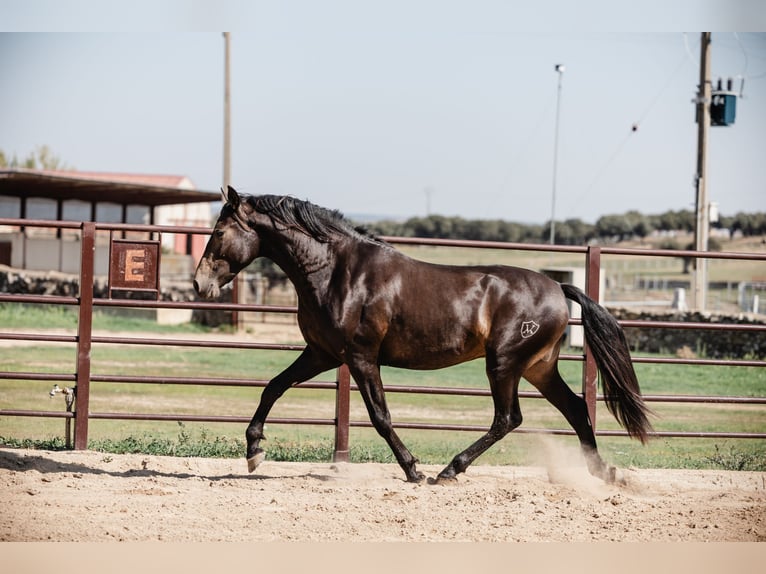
(560, 69)
(227, 155)
(226, 115)
(702, 221)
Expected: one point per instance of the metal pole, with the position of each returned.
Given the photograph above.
(589, 370)
(84, 335)
(227, 115)
(560, 69)
(702, 223)
(428, 190)
(342, 410)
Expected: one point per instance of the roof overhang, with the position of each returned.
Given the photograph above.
(25, 183)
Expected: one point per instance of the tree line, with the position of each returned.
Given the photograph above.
(608, 228)
(629, 225)
(41, 158)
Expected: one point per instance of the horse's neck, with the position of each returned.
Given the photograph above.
(307, 262)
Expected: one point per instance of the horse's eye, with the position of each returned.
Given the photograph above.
(219, 233)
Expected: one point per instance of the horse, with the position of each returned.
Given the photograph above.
(363, 303)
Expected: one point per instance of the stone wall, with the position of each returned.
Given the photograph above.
(16, 281)
(21, 282)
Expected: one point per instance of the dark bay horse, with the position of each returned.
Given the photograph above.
(365, 304)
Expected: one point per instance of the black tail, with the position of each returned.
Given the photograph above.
(610, 350)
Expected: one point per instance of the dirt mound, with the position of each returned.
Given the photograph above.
(91, 496)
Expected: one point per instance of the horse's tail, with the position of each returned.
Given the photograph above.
(610, 350)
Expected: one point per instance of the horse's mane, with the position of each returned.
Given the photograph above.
(318, 222)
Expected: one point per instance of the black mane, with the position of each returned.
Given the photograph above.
(318, 222)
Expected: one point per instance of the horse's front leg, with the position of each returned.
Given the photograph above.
(367, 377)
(309, 364)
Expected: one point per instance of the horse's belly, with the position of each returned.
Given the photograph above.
(428, 352)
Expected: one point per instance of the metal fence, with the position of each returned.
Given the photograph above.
(80, 412)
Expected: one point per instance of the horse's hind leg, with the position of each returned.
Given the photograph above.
(546, 378)
(504, 382)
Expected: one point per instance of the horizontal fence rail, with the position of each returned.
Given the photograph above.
(342, 386)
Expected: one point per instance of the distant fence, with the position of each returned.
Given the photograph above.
(84, 340)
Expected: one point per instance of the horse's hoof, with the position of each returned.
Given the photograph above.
(619, 478)
(614, 475)
(417, 478)
(443, 480)
(255, 460)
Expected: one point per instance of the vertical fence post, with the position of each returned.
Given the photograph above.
(590, 371)
(84, 336)
(342, 407)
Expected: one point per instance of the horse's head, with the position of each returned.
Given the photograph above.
(232, 246)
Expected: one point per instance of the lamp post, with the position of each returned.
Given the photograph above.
(560, 70)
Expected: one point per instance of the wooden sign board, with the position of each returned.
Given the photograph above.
(134, 266)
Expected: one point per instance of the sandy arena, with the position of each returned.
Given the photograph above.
(92, 496)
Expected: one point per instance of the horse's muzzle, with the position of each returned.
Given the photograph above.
(206, 289)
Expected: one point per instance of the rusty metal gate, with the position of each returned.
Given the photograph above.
(132, 263)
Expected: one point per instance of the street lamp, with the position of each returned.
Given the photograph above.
(560, 70)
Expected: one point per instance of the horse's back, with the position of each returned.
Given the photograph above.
(447, 314)
(498, 287)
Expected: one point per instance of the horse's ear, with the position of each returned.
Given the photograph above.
(231, 197)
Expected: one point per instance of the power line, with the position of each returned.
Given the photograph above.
(692, 59)
(522, 150)
(744, 54)
(633, 129)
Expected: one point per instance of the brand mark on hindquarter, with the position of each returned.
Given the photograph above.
(529, 328)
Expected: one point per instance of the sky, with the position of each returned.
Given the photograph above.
(395, 109)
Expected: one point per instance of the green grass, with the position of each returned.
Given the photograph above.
(296, 442)
(32, 315)
(314, 443)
